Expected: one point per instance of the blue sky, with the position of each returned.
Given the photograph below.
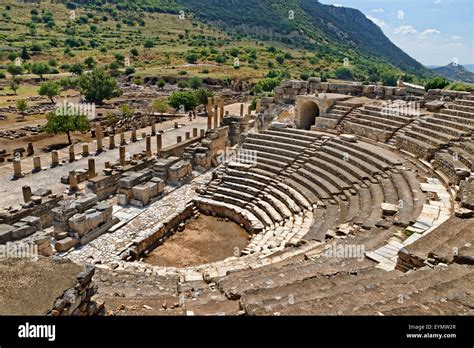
(434, 32)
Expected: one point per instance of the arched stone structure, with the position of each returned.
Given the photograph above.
(308, 113)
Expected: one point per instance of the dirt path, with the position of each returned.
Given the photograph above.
(206, 239)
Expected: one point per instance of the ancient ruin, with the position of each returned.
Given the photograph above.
(365, 186)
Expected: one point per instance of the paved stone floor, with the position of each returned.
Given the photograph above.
(10, 190)
(108, 247)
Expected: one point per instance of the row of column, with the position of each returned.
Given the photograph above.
(17, 172)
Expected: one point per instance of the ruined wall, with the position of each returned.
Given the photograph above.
(77, 301)
(42, 211)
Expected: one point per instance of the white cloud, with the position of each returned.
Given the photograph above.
(378, 10)
(377, 21)
(337, 5)
(430, 31)
(401, 14)
(437, 2)
(456, 37)
(405, 29)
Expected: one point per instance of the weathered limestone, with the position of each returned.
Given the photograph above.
(72, 155)
(148, 146)
(153, 128)
(133, 137)
(209, 117)
(17, 169)
(122, 139)
(26, 193)
(179, 171)
(159, 144)
(30, 151)
(91, 173)
(65, 244)
(73, 181)
(122, 156)
(99, 136)
(54, 158)
(216, 117)
(37, 164)
(111, 142)
(85, 150)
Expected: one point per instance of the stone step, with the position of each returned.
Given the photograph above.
(340, 163)
(380, 153)
(260, 140)
(336, 171)
(296, 184)
(461, 114)
(415, 146)
(271, 150)
(298, 132)
(405, 203)
(457, 133)
(373, 123)
(282, 133)
(278, 138)
(431, 133)
(318, 184)
(380, 120)
(340, 184)
(456, 122)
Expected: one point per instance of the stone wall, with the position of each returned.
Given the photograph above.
(42, 210)
(77, 301)
(151, 238)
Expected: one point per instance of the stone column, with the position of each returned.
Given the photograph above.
(249, 109)
(91, 169)
(72, 155)
(188, 135)
(122, 155)
(242, 110)
(122, 139)
(148, 147)
(216, 116)
(17, 168)
(159, 144)
(85, 150)
(30, 151)
(179, 139)
(111, 142)
(209, 117)
(221, 113)
(195, 132)
(37, 164)
(98, 135)
(26, 193)
(133, 137)
(72, 181)
(153, 128)
(259, 105)
(54, 158)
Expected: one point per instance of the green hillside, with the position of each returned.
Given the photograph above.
(244, 39)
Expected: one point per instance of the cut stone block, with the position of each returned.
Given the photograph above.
(389, 209)
(65, 244)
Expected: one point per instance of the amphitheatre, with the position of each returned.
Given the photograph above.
(199, 165)
(325, 199)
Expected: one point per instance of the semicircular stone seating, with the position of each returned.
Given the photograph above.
(305, 185)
